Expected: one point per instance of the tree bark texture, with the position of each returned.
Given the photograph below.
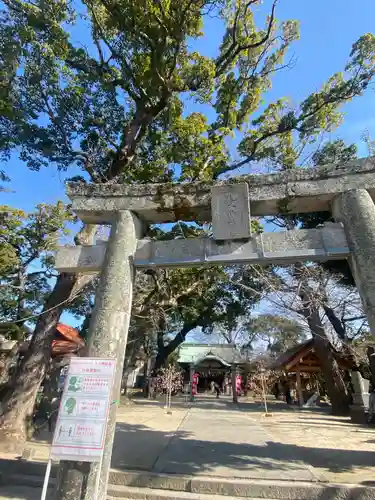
(18, 405)
(165, 350)
(6, 360)
(336, 387)
(371, 358)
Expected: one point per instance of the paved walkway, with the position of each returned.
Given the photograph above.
(214, 437)
(211, 438)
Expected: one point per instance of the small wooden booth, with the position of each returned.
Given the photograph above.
(301, 359)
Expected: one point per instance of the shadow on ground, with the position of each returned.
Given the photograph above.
(180, 453)
(8, 493)
(225, 403)
(139, 446)
(20, 493)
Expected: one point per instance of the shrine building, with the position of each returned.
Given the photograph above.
(212, 363)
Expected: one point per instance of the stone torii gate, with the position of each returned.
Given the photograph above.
(347, 191)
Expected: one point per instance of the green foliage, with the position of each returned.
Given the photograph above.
(335, 152)
(27, 243)
(12, 331)
(172, 359)
(217, 302)
(168, 304)
(116, 109)
(278, 333)
(332, 152)
(11, 220)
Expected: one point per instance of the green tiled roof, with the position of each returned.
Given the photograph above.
(192, 353)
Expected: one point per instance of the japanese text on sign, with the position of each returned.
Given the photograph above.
(83, 414)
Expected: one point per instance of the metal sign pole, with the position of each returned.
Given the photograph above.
(46, 480)
(264, 392)
(166, 392)
(170, 390)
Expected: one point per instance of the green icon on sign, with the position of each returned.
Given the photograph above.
(70, 405)
(74, 384)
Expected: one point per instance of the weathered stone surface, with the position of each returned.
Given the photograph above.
(302, 190)
(279, 490)
(146, 479)
(230, 208)
(189, 251)
(71, 480)
(219, 489)
(356, 210)
(109, 326)
(90, 258)
(361, 394)
(283, 247)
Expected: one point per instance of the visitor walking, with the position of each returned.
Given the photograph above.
(217, 390)
(239, 385)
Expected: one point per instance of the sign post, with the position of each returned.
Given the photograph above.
(82, 419)
(83, 413)
(46, 479)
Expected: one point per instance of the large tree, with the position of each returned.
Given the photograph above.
(27, 243)
(326, 305)
(114, 107)
(276, 333)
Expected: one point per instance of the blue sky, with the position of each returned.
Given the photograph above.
(328, 29)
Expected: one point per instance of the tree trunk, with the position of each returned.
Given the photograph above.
(371, 358)
(161, 358)
(18, 405)
(6, 361)
(124, 383)
(165, 350)
(147, 370)
(336, 387)
(363, 367)
(85, 326)
(335, 322)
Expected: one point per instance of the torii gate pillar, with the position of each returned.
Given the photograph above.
(108, 334)
(356, 210)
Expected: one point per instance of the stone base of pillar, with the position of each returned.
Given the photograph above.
(359, 415)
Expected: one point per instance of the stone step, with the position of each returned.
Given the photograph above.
(236, 487)
(23, 480)
(124, 493)
(21, 493)
(135, 493)
(150, 486)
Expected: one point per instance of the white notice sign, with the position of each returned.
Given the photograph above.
(83, 413)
